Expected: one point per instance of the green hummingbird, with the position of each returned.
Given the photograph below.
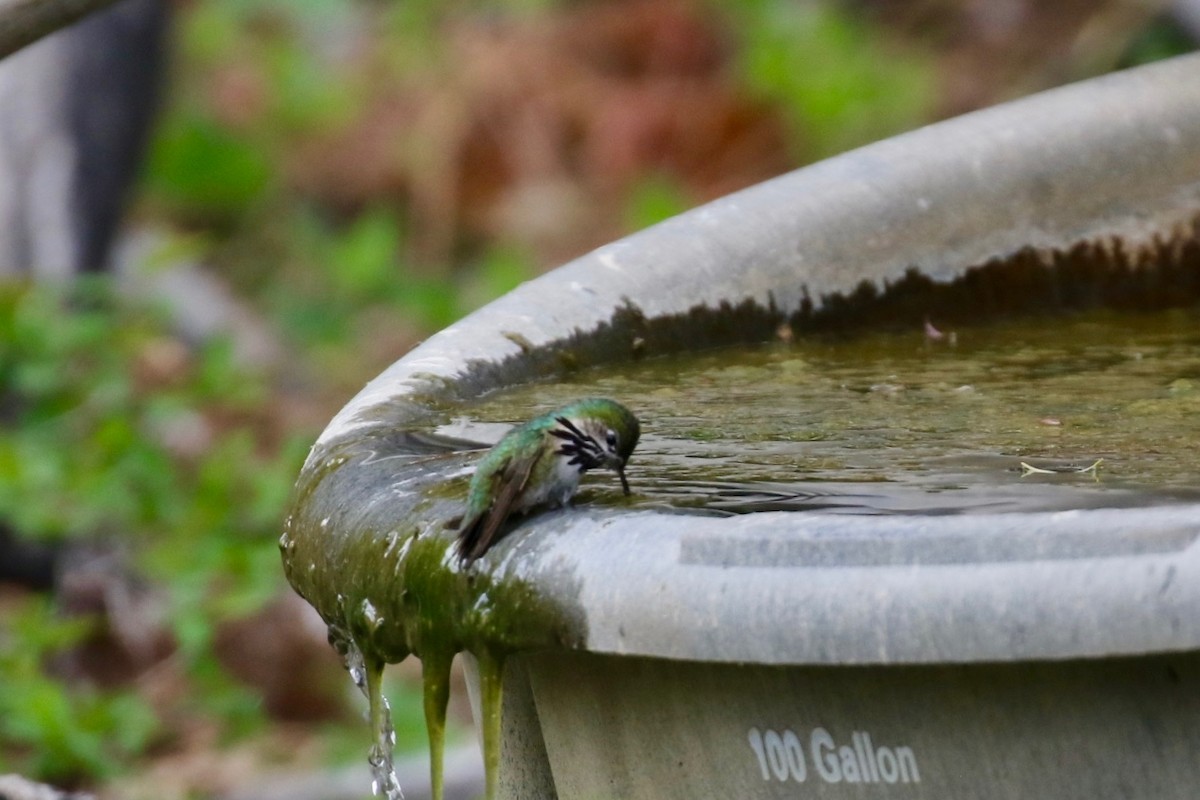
(540, 463)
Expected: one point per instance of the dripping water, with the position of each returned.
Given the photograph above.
(368, 677)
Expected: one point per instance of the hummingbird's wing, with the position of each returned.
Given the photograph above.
(509, 480)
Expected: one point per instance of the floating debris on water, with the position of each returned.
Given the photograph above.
(1029, 469)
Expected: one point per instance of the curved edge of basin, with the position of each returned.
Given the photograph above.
(1116, 156)
(819, 588)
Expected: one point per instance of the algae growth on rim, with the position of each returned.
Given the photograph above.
(373, 555)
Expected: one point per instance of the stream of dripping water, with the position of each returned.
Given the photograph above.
(369, 679)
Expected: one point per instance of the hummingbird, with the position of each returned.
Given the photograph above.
(540, 463)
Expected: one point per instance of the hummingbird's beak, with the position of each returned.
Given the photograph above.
(621, 475)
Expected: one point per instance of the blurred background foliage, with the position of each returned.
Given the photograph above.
(359, 175)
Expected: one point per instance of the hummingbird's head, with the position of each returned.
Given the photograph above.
(612, 427)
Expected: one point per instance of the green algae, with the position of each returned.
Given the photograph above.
(368, 544)
(435, 677)
(491, 683)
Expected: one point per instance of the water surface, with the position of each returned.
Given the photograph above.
(894, 423)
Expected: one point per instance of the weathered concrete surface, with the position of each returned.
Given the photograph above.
(642, 729)
(815, 588)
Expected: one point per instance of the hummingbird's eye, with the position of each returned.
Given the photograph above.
(611, 438)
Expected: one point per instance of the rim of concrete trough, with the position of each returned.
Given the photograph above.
(1114, 156)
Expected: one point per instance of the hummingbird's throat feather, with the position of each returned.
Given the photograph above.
(581, 449)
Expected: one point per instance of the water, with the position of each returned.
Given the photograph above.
(895, 423)
(368, 678)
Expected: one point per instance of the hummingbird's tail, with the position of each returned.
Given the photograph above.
(467, 547)
(477, 535)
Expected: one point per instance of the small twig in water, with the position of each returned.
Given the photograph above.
(1029, 469)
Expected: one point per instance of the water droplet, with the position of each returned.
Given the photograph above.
(371, 615)
(384, 775)
(354, 665)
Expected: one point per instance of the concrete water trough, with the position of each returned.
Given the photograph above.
(651, 654)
